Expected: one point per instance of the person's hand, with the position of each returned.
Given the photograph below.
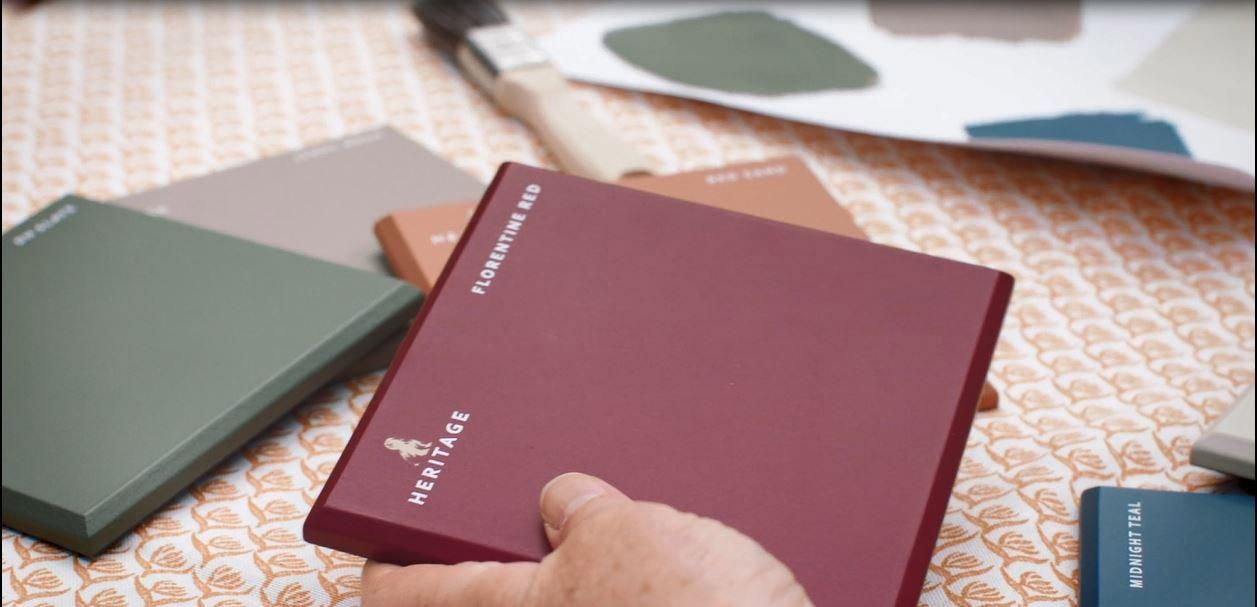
(609, 551)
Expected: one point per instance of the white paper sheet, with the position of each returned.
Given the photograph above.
(931, 87)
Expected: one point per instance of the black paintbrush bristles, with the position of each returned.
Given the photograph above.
(447, 21)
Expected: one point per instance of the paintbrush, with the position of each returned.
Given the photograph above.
(510, 68)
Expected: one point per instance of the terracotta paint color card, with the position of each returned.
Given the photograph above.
(585, 326)
(782, 189)
(417, 242)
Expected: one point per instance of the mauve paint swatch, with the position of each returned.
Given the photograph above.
(811, 390)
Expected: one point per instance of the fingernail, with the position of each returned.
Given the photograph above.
(565, 494)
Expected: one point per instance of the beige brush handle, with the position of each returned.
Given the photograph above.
(583, 145)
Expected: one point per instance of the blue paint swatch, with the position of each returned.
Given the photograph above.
(1131, 130)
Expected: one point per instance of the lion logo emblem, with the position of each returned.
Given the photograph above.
(408, 448)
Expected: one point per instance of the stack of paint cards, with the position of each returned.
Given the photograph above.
(1159, 548)
(242, 250)
(147, 339)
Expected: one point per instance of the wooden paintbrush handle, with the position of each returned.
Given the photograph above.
(583, 145)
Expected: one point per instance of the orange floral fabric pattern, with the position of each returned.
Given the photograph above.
(1130, 331)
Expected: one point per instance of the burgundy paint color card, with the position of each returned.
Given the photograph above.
(811, 390)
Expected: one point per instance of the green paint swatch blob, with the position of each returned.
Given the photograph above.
(749, 52)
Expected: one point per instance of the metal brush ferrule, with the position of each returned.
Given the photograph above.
(501, 48)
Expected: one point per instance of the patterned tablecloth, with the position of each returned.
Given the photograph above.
(1131, 329)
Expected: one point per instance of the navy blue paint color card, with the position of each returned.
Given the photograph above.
(1160, 548)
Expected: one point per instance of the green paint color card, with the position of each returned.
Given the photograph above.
(139, 352)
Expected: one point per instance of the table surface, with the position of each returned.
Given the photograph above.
(1130, 331)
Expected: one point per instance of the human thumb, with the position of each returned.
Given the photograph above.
(571, 498)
